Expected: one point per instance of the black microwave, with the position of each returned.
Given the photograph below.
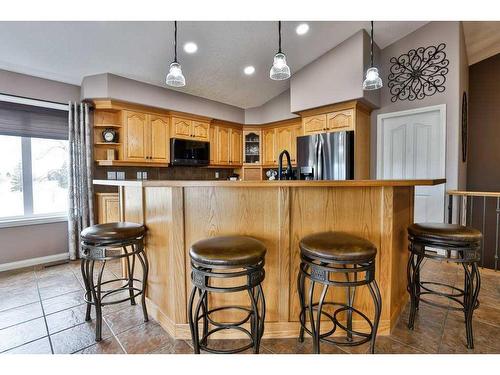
(189, 153)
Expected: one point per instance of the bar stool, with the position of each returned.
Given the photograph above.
(324, 256)
(229, 258)
(450, 243)
(105, 242)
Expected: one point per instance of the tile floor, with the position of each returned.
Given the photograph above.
(41, 311)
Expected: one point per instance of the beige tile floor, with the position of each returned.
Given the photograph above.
(42, 311)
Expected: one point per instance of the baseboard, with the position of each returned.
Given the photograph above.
(33, 261)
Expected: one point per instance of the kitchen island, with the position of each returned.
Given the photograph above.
(278, 213)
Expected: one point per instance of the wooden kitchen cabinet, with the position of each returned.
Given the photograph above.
(340, 120)
(190, 129)
(226, 146)
(146, 137)
(108, 208)
(314, 124)
(269, 147)
(236, 147)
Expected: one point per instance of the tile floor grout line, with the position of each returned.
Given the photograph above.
(24, 321)
(24, 343)
(116, 336)
(43, 312)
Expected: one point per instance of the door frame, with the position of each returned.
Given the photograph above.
(442, 112)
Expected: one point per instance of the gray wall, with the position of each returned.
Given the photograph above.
(120, 88)
(276, 109)
(334, 77)
(432, 33)
(34, 241)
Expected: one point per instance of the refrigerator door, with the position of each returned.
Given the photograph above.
(337, 155)
(307, 156)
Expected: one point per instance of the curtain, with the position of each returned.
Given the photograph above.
(80, 187)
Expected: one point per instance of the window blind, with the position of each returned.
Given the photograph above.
(32, 121)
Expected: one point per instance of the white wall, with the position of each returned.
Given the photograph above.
(276, 109)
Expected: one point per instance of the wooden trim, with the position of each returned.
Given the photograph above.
(352, 104)
(130, 163)
(267, 183)
(474, 193)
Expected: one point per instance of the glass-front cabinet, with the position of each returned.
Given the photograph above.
(252, 147)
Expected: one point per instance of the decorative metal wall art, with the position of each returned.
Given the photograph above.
(464, 127)
(418, 73)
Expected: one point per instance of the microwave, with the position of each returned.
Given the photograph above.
(188, 152)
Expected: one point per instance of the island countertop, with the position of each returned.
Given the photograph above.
(267, 183)
(278, 213)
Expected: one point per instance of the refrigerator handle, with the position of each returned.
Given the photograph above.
(320, 159)
(315, 165)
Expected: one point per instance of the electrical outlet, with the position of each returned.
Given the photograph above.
(111, 175)
(139, 175)
(144, 175)
(120, 175)
(216, 175)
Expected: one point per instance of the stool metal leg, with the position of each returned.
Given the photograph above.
(311, 316)
(145, 270)
(413, 266)
(377, 301)
(84, 265)
(300, 289)
(471, 292)
(130, 271)
(317, 335)
(193, 321)
(96, 296)
(254, 321)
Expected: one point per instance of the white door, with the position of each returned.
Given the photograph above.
(411, 145)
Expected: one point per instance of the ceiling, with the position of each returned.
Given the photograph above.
(69, 51)
(482, 39)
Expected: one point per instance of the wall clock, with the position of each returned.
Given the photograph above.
(418, 73)
(464, 127)
(109, 135)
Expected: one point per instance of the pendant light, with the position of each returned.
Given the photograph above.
(372, 80)
(280, 70)
(174, 76)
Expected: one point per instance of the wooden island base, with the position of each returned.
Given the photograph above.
(178, 213)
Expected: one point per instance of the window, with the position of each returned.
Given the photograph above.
(33, 177)
(34, 164)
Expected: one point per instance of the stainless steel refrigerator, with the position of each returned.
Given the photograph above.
(326, 156)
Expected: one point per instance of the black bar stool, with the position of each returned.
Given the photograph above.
(458, 244)
(230, 258)
(105, 242)
(324, 256)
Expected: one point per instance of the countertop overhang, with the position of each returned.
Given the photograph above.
(276, 183)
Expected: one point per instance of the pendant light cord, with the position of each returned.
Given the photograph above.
(279, 36)
(175, 41)
(371, 46)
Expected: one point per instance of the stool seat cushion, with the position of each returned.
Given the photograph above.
(337, 246)
(112, 232)
(452, 233)
(238, 251)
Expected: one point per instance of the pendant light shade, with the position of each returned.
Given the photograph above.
(175, 78)
(280, 70)
(372, 79)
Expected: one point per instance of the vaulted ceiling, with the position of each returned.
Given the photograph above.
(69, 51)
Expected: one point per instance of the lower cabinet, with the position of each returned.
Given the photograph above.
(108, 208)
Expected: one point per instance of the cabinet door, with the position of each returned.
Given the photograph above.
(236, 147)
(200, 130)
(223, 145)
(284, 140)
(108, 208)
(314, 124)
(269, 152)
(181, 128)
(212, 131)
(135, 136)
(159, 149)
(296, 132)
(341, 120)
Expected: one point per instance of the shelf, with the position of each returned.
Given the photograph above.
(107, 126)
(125, 163)
(107, 144)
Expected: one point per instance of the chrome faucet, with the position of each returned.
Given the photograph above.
(288, 172)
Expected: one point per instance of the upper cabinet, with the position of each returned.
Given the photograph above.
(340, 120)
(190, 129)
(279, 138)
(226, 145)
(146, 137)
(314, 124)
(269, 147)
(252, 150)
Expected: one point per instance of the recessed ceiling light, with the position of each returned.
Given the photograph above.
(249, 70)
(190, 47)
(302, 29)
